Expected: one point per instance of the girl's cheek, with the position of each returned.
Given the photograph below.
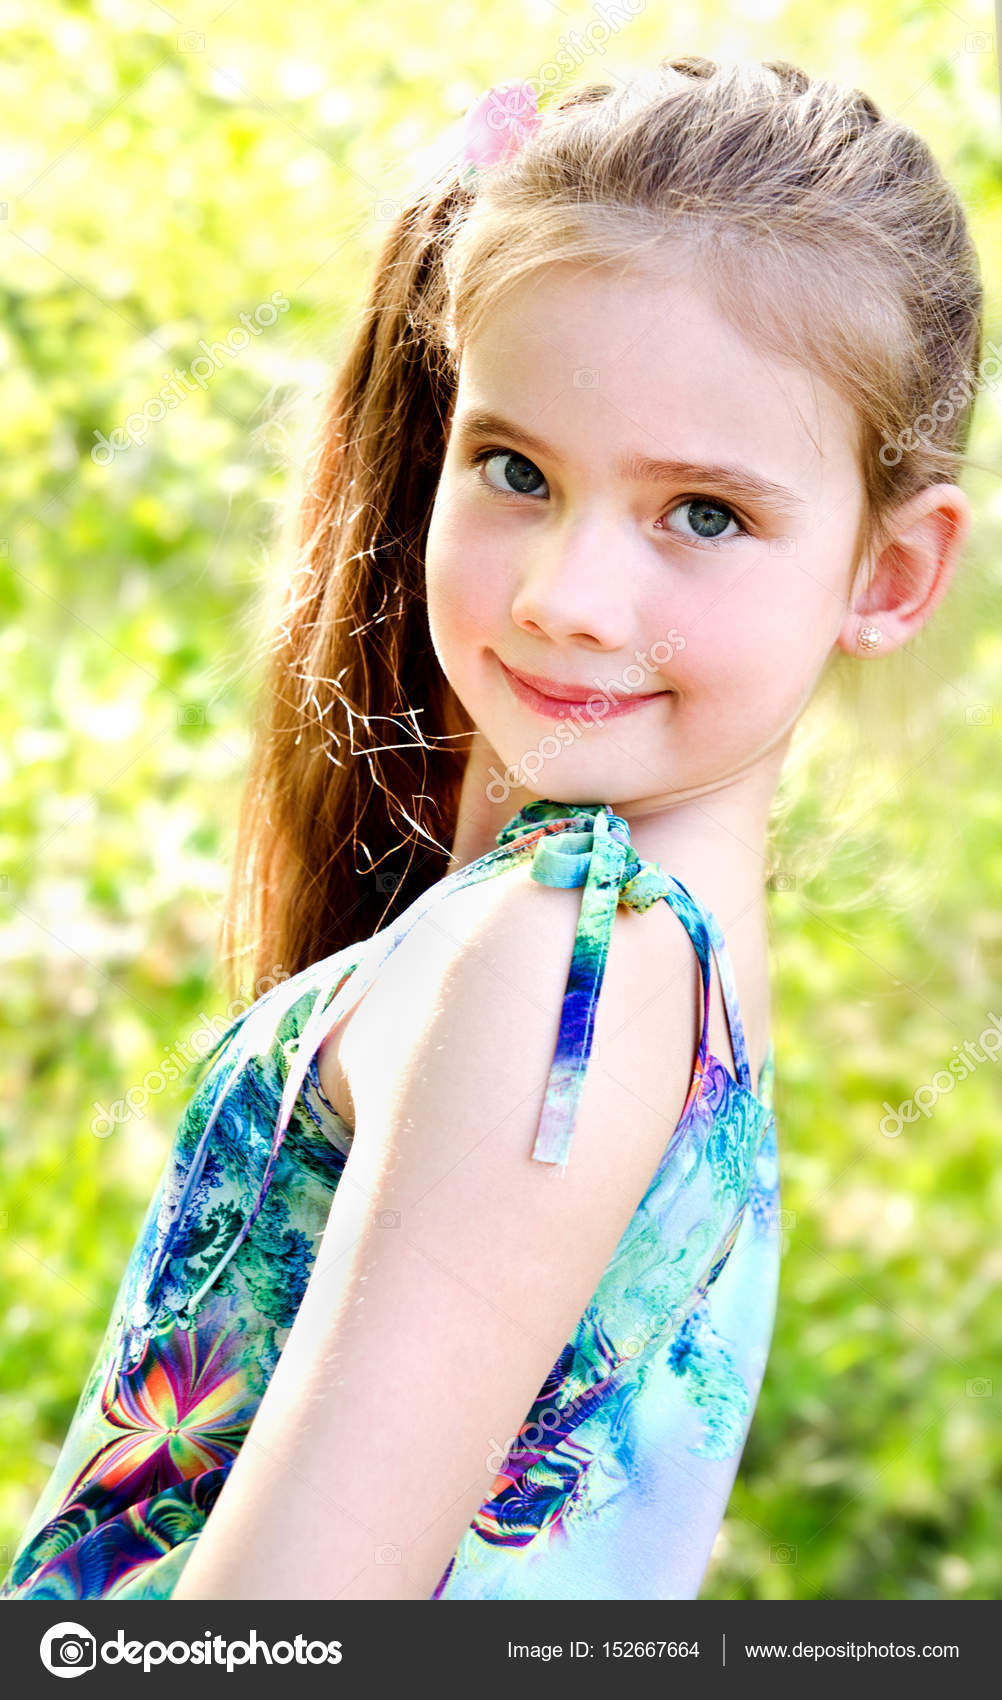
(458, 620)
(477, 592)
(456, 603)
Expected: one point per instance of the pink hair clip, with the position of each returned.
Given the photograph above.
(497, 125)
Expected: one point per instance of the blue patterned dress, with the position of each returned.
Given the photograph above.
(618, 1481)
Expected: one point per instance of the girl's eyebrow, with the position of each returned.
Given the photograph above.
(642, 469)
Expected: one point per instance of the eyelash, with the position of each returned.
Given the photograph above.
(486, 454)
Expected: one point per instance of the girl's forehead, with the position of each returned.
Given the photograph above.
(595, 356)
(632, 321)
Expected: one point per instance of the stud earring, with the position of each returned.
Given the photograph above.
(868, 637)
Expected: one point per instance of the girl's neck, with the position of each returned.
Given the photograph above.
(715, 844)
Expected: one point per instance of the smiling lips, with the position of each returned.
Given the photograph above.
(550, 697)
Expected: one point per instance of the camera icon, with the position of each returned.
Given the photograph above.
(783, 1555)
(387, 882)
(977, 42)
(781, 882)
(978, 714)
(191, 714)
(979, 1388)
(786, 1221)
(387, 1555)
(67, 1649)
(585, 378)
(191, 42)
(783, 546)
(387, 1218)
(386, 209)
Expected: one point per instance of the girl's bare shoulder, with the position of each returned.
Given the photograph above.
(484, 973)
(473, 923)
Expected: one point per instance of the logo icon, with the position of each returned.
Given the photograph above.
(67, 1649)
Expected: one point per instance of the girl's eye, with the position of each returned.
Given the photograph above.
(708, 520)
(517, 476)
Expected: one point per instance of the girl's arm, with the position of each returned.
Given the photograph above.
(454, 1268)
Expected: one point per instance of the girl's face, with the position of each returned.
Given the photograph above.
(712, 584)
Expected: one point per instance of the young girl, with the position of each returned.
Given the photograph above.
(460, 1279)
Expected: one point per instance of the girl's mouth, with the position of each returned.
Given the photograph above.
(526, 688)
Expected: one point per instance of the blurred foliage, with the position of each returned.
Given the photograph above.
(163, 177)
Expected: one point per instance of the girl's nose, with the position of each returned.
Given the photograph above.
(577, 586)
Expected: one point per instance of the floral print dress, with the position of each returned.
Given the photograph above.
(618, 1481)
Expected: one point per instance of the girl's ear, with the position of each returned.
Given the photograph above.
(912, 569)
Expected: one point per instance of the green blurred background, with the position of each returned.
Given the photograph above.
(163, 173)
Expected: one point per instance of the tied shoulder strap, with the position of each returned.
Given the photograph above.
(598, 855)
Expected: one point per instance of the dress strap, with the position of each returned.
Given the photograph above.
(728, 985)
(598, 855)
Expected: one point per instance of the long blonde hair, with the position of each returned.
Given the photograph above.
(824, 229)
